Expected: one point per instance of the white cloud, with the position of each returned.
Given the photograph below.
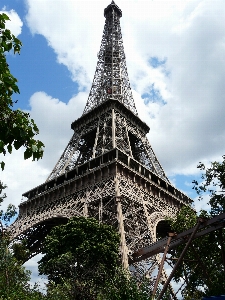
(15, 24)
(54, 119)
(19, 175)
(74, 41)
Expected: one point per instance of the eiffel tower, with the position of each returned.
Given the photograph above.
(108, 170)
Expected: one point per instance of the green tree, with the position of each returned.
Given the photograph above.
(14, 279)
(16, 127)
(123, 287)
(83, 254)
(213, 183)
(119, 287)
(81, 261)
(10, 212)
(204, 264)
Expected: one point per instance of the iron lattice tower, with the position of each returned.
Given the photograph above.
(108, 169)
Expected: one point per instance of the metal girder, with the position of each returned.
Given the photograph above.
(205, 227)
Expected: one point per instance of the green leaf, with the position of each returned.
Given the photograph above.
(9, 147)
(2, 165)
(34, 148)
(18, 144)
(2, 144)
(5, 17)
(27, 153)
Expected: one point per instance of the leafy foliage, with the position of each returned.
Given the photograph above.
(122, 286)
(204, 264)
(16, 127)
(213, 184)
(82, 253)
(14, 279)
(10, 211)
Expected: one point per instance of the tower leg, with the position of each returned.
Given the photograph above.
(123, 246)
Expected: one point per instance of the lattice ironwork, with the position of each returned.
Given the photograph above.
(108, 170)
(111, 77)
(108, 130)
(98, 200)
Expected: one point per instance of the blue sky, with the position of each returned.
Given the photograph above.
(36, 68)
(175, 54)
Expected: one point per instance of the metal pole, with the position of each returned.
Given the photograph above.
(180, 259)
(162, 262)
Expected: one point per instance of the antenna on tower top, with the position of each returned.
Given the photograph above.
(113, 6)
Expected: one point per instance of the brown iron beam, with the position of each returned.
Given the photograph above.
(162, 262)
(180, 258)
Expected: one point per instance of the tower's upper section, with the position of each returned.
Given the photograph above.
(112, 7)
(111, 78)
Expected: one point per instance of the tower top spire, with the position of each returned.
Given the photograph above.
(111, 80)
(112, 7)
